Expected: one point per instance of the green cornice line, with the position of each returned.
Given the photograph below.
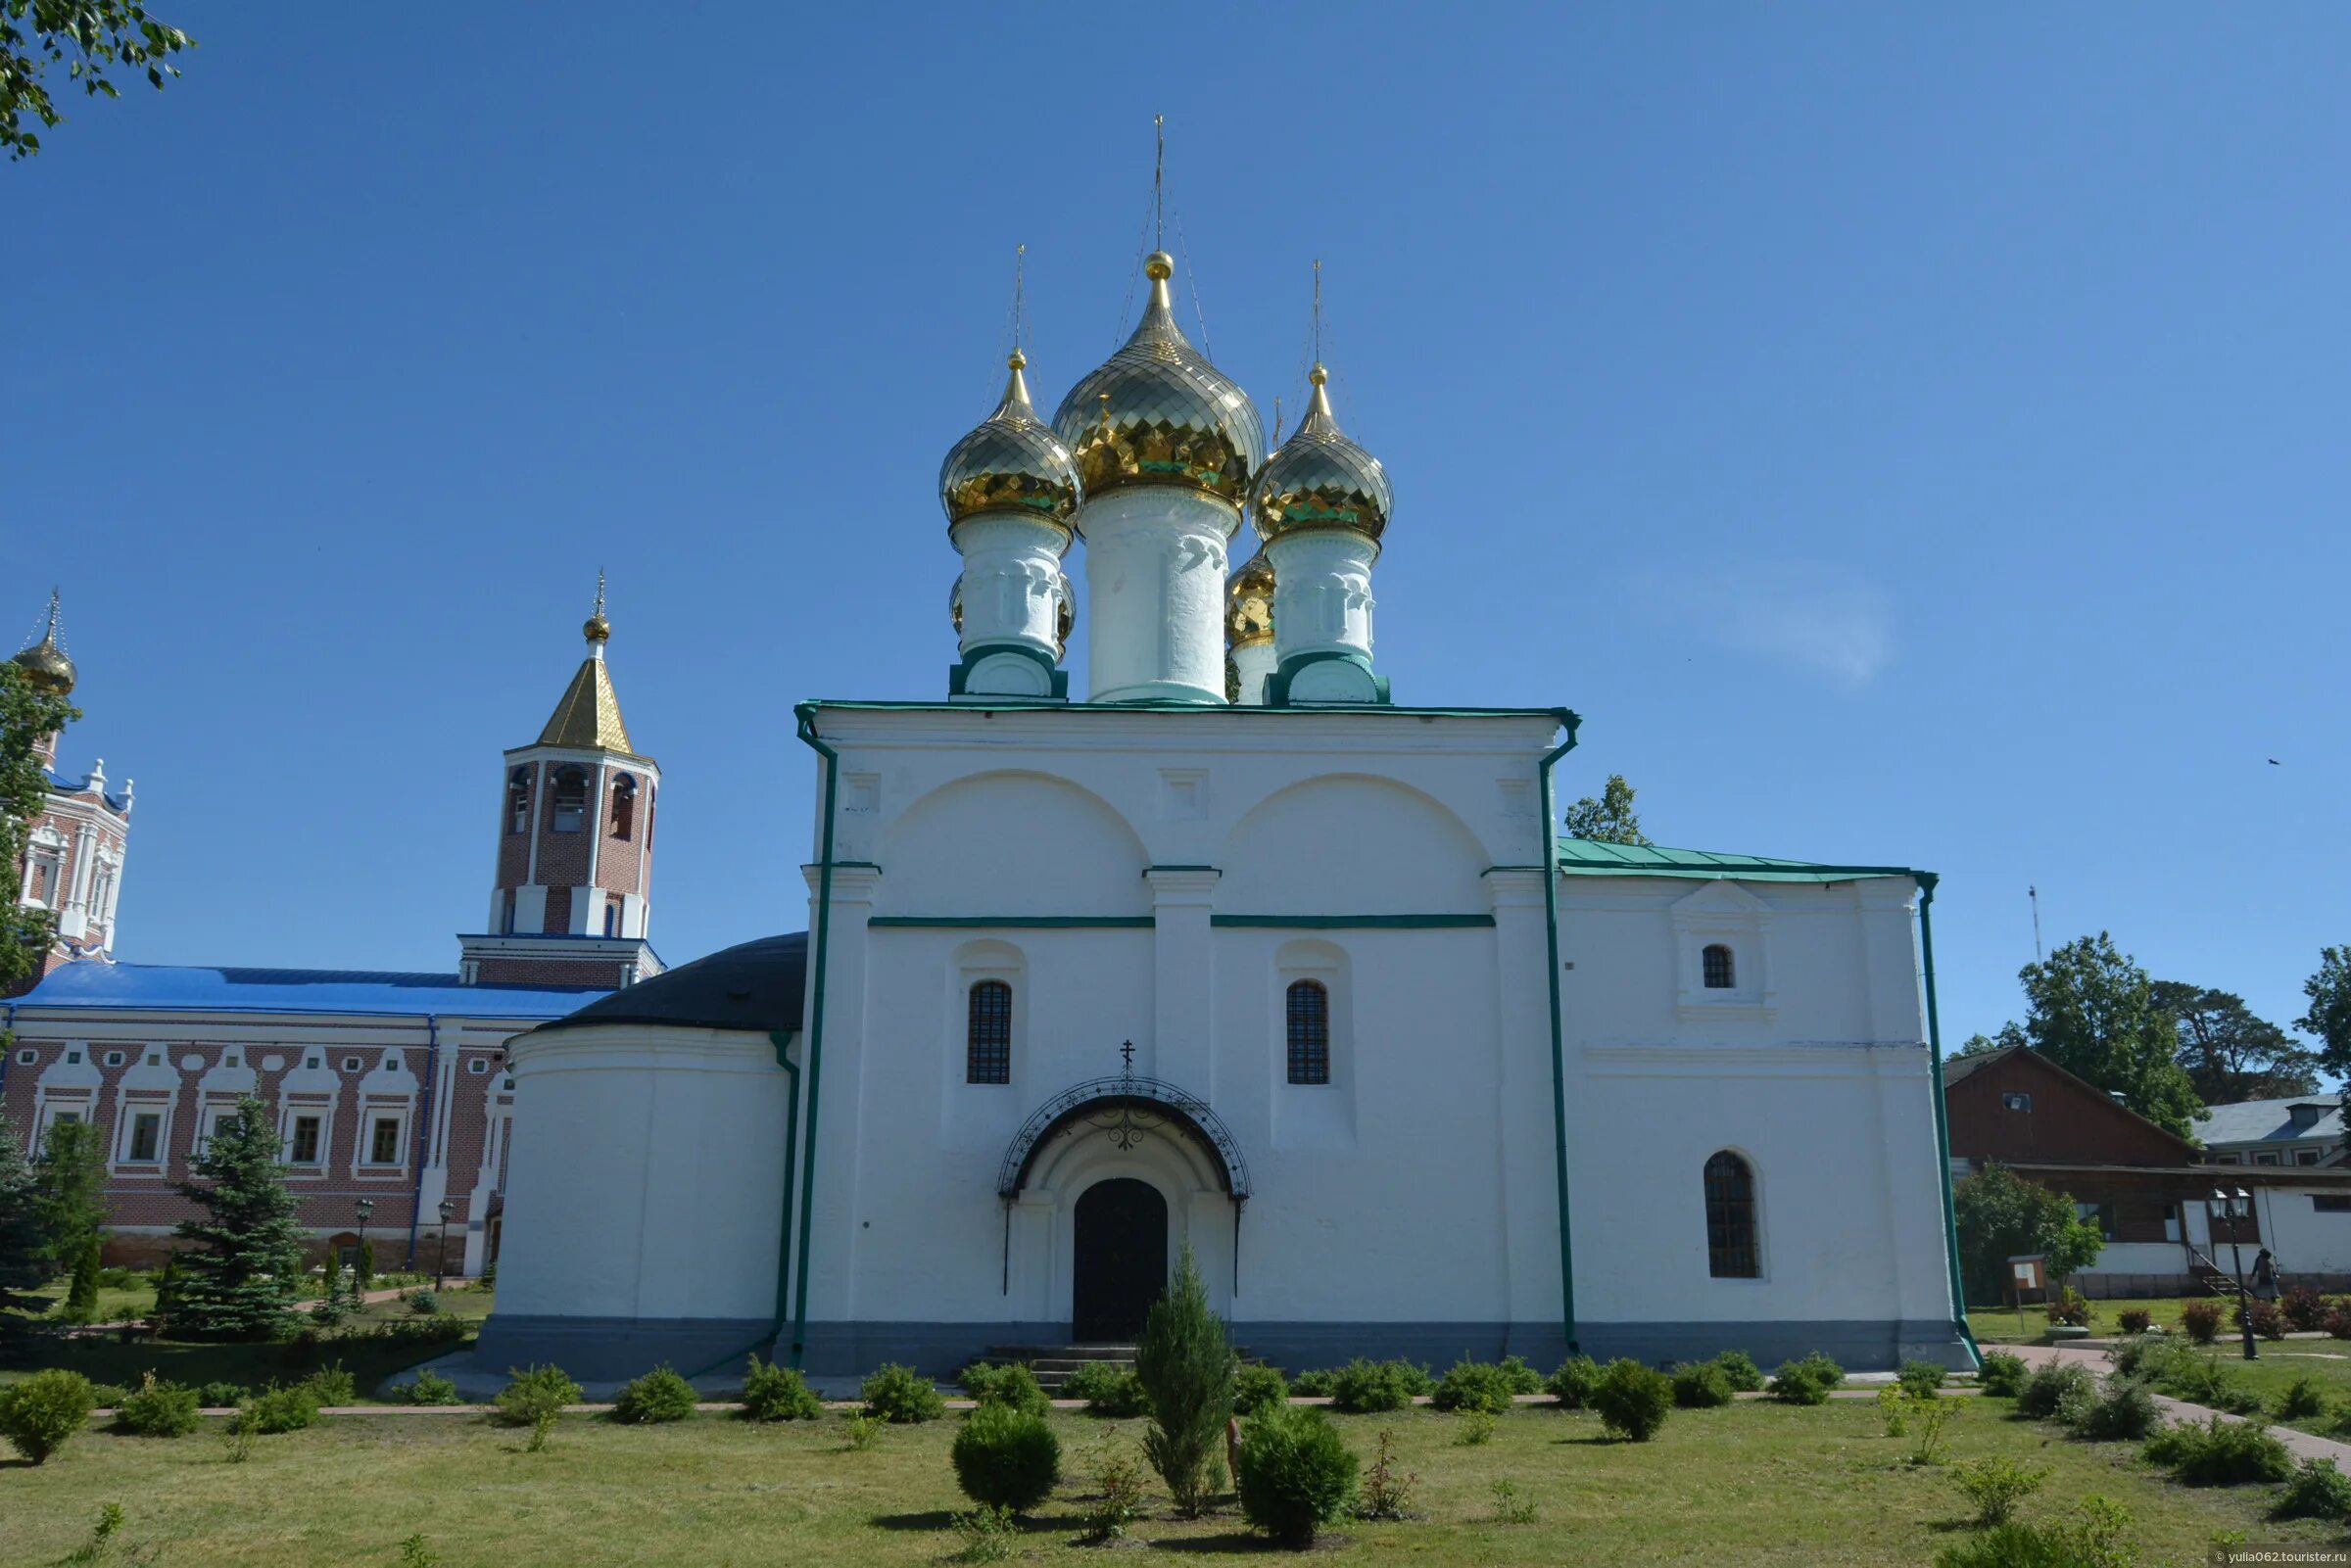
(957, 922)
(1424, 923)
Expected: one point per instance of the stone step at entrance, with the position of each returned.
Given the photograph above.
(1054, 1363)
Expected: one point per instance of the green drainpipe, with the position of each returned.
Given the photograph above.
(1942, 1126)
(806, 713)
(791, 1149)
(1559, 1056)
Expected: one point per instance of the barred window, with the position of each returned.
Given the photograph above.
(988, 1053)
(1720, 974)
(518, 800)
(571, 800)
(624, 806)
(1730, 1218)
(1309, 1012)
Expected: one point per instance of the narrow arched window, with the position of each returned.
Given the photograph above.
(1731, 1252)
(1721, 972)
(518, 800)
(624, 806)
(1309, 1019)
(571, 800)
(613, 917)
(988, 1049)
(506, 914)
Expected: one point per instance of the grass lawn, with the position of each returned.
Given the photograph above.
(1999, 1325)
(1753, 1483)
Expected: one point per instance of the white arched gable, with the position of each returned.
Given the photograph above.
(1011, 843)
(1351, 844)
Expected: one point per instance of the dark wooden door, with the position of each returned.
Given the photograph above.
(1122, 1260)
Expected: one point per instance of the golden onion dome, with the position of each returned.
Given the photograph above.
(596, 629)
(1158, 412)
(1320, 479)
(1011, 462)
(45, 663)
(1249, 603)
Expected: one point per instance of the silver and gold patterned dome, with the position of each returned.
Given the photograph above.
(1249, 602)
(1011, 462)
(1158, 412)
(1320, 479)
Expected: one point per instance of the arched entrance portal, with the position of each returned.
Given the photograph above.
(1120, 1261)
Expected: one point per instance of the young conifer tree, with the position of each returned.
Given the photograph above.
(243, 1274)
(22, 1266)
(1186, 1364)
(81, 1295)
(70, 1184)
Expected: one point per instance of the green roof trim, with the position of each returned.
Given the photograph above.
(1590, 857)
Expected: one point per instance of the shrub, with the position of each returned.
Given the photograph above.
(1476, 1427)
(2317, 1490)
(1996, 1485)
(276, 1408)
(863, 1431)
(40, 1413)
(430, 1388)
(2268, 1321)
(1258, 1388)
(2094, 1541)
(988, 1535)
(1362, 1386)
(1296, 1474)
(2338, 1321)
(1523, 1379)
(1701, 1386)
(1387, 1490)
(2068, 1307)
(332, 1385)
(2134, 1319)
(2053, 1386)
(1921, 1377)
(1118, 1499)
(1186, 1364)
(1007, 1457)
(1893, 1405)
(1745, 1377)
(2000, 1374)
(2201, 1321)
(1571, 1385)
(157, 1409)
(901, 1396)
(2302, 1397)
(220, 1396)
(1012, 1385)
(658, 1396)
(778, 1394)
(1509, 1508)
(2222, 1454)
(2127, 1413)
(1107, 1390)
(1632, 1400)
(1806, 1382)
(1473, 1386)
(1320, 1384)
(423, 1303)
(105, 1396)
(2303, 1309)
(535, 1396)
(1929, 1413)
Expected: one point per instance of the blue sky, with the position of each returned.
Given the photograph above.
(1905, 436)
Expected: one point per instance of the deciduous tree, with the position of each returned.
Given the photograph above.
(2329, 1014)
(99, 34)
(2093, 1013)
(1608, 819)
(2001, 1216)
(28, 715)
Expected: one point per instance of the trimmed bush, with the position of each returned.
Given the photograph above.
(1258, 1388)
(1806, 1382)
(1007, 1457)
(1012, 1385)
(1108, 1390)
(1633, 1400)
(1319, 1384)
(40, 1413)
(2222, 1454)
(221, 1395)
(659, 1396)
(2268, 1321)
(1571, 1385)
(157, 1409)
(1921, 1377)
(2317, 1490)
(1701, 1386)
(2302, 1397)
(1296, 1474)
(1363, 1387)
(1745, 1377)
(1996, 1485)
(535, 1395)
(901, 1396)
(2127, 1413)
(2304, 1310)
(2001, 1374)
(430, 1388)
(1523, 1378)
(1473, 1386)
(2053, 1386)
(279, 1409)
(2201, 1321)
(2134, 1319)
(778, 1394)
(109, 1394)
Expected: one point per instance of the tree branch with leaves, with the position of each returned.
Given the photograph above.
(90, 38)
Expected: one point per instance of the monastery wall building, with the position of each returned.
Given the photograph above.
(1241, 953)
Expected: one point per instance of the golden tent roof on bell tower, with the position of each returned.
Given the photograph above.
(589, 715)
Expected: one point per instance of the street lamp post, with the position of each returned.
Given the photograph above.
(449, 1207)
(2233, 1208)
(363, 1207)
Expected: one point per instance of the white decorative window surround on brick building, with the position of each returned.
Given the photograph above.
(1725, 916)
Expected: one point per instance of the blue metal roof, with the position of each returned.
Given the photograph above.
(74, 787)
(93, 984)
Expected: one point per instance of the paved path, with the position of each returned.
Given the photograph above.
(2300, 1444)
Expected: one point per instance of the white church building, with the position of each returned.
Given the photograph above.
(1240, 955)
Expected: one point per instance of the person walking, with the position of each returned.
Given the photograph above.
(2265, 1276)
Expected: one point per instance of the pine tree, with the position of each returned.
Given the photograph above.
(362, 1272)
(23, 1267)
(1185, 1365)
(70, 1180)
(241, 1277)
(81, 1297)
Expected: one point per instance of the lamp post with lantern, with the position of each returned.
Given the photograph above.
(359, 1279)
(449, 1207)
(2234, 1207)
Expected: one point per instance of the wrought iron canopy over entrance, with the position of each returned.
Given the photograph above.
(1124, 1110)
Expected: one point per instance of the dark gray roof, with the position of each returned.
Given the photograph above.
(752, 985)
(2264, 1120)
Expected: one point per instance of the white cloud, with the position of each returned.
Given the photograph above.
(1831, 621)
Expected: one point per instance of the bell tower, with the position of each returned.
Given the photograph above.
(569, 901)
